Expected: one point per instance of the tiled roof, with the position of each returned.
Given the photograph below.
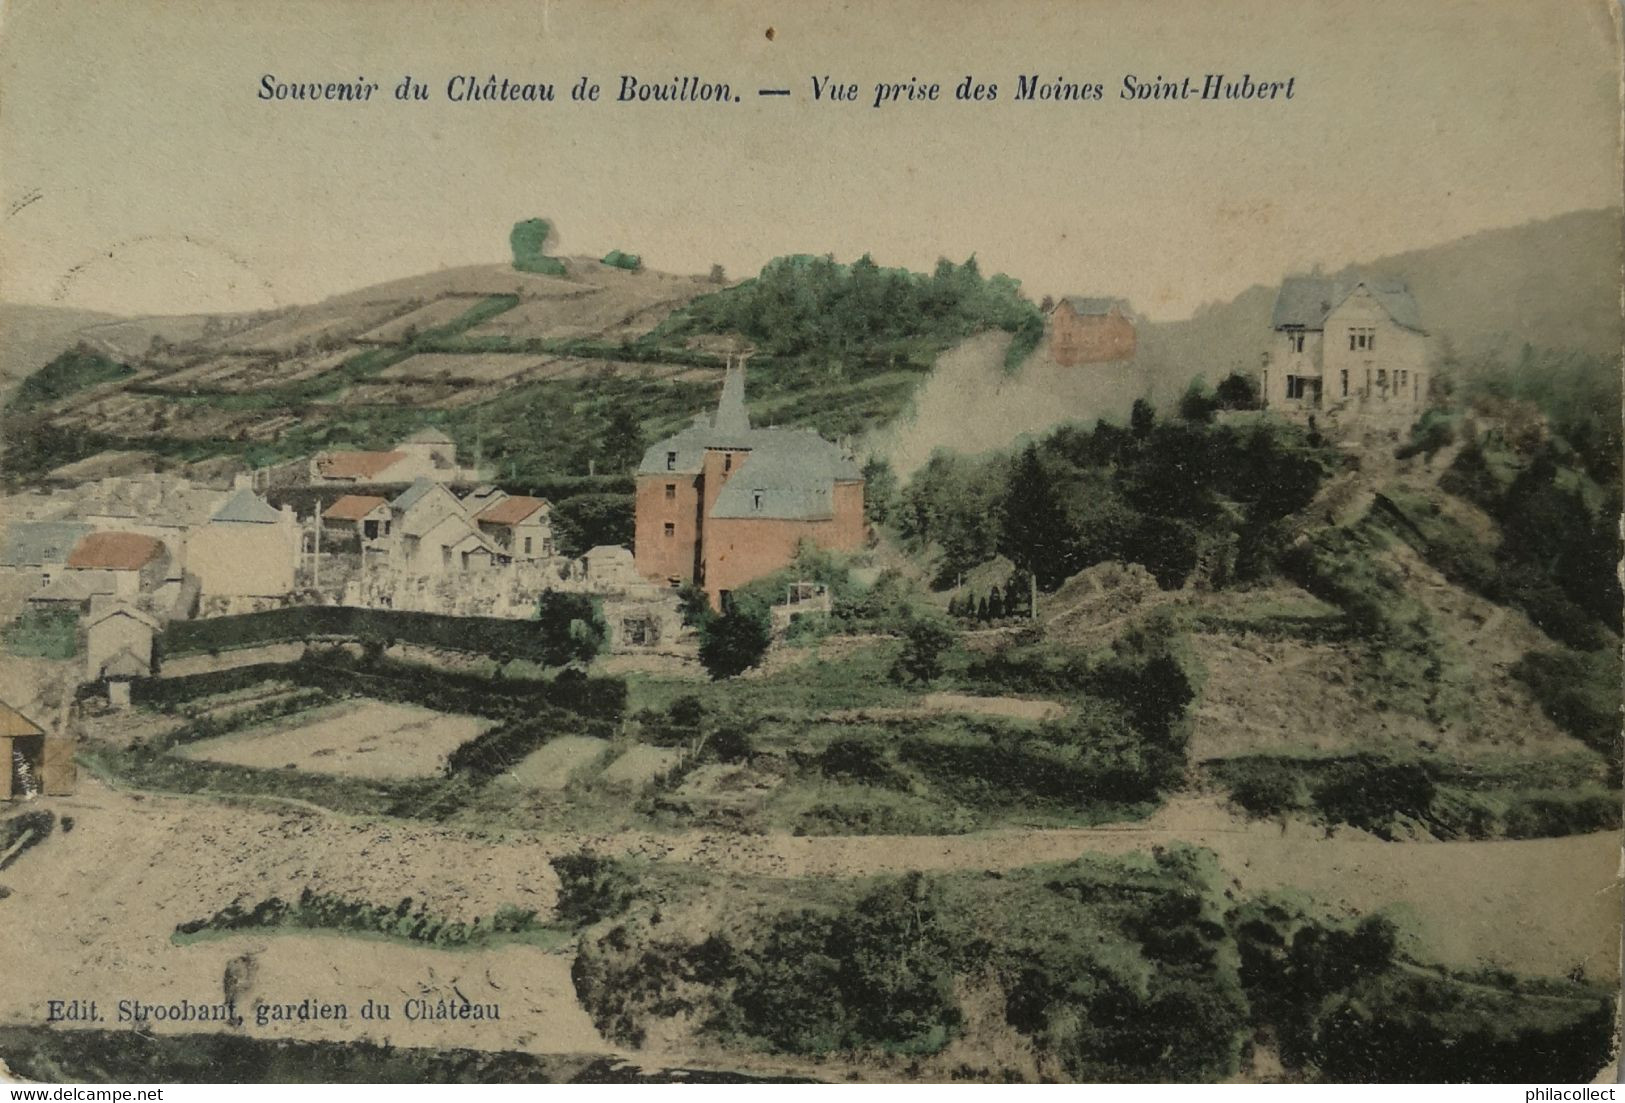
(356, 465)
(246, 507)
(511, 511)
(353, 507)
(35, 543)
(1305, 301)
(115, 551)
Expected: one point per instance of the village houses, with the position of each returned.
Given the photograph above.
(426, 454)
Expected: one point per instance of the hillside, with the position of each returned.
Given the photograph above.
(1551, 284)
(529, 370)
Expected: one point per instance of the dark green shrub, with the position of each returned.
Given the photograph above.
(734, 642)
(592, 888)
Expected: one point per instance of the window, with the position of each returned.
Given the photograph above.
(727, 461)
(547, 545)
(445, 557)
(671, 461)
(1345, 382)
(756, 500)
(671, 530)
(1294, 386)
(1382, 380)
(527, 545)
(1294, 342)
(1363, 339)
(671, 492)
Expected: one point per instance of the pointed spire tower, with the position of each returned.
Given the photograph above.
(731, 416)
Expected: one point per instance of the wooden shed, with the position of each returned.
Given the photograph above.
(31, 760)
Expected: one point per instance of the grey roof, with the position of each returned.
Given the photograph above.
(794, 469)
(1305, 301)
(35, 543)
(795, 472)
(125, 664)
(76, 586)
(428, 435)
(412, 494)
(1089, 305)
(246, 507)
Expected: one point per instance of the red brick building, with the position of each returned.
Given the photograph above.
(721, 503)
(1090, 331)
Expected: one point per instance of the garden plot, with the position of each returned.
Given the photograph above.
(552, 766)
(313, 323)
(431, 316)
(484, 367)
(610, 305)
(370, 739)
(275, 371)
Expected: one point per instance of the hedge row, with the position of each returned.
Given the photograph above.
(495, 636)
(338, 671)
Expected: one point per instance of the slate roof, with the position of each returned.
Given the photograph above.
(115, 551)
(35, 543)
(78, 586)
(413, 494)
(356, 465)
(795, 483)
(795, 469)
(353, 507)
(123, 609)
(14, 723)
(247, 508)
(511, 511)
(125, 664)
(1305, 301)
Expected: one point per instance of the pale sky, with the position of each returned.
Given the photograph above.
(140, 174)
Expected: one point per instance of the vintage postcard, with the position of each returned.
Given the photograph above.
(997, 543)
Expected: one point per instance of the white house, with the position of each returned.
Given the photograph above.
(1346, 347)
(434, 533)
(519, 525)
(248, 549)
